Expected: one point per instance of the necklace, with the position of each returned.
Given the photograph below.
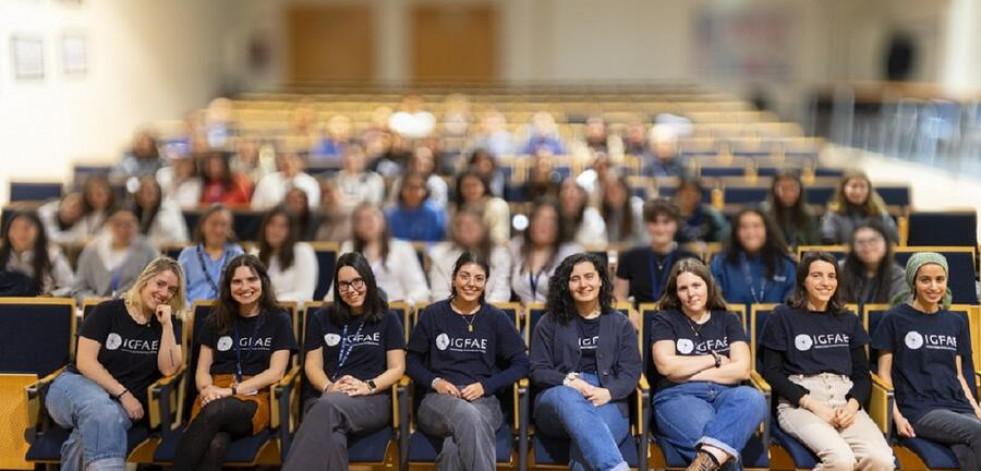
(468, 317)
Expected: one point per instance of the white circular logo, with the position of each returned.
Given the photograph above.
(113, 341)
(803, 342)
(442, 341)
(332, 339)
(224, 344)
(685, 346)
(914, 340)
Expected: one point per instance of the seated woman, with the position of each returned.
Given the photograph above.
(583, 222)
(700, 222)
(30, 264)
(414, 217)
(815, 360)
(854, 202)
(355, 352)
(180, 180)
(292, 264)
(464, 351)
(298, 203)
(925, 353)
(623, 213)
(472, 189)
(484, 163)
(222, 185)
(701, 355)
(755, 266)
(539, 251)
(161, 221)
(469, 234)
(334, 217)
(111, 263)
(585, 364)
(787, 206)
(214, 246)
(642, 272)
(245, 346)
(62, 219)
(124, 346)
(870, 274)
(394, 262)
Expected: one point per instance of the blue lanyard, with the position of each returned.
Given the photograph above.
(533, 279)
(658, 283)
(204, 268)
(346, 348)
(238, 348)
(116, 275)
(747, 274)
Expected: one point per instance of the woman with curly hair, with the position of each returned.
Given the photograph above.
(585, 364)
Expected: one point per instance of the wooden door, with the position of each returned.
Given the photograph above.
(331, 42)
(454, 43)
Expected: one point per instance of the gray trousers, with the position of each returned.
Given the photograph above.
(961, 431)
(468, 427)
(321, 443)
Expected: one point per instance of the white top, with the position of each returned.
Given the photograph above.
(186, 193)
(272, 189)
(443, 257)
(168, 227)
(412, 125)
(360, 188)
(521, 279)
(401, 275)
(84, 229)
(593, 228)
(58, 282)
(299, 281)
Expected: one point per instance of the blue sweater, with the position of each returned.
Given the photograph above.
(746, 282)
(425, 223)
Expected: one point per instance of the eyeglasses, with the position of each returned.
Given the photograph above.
(869, 241)
(356, 284)
(477, 280)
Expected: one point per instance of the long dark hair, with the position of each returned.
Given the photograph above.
(374, 308)
(92, 180)
(798, 300)
(626, 210)
(853, 271)
(560, 303)
(305, 219)
(774, 249)
(146, 216)
(560, 238)
(574, 221)
(285, 254)
(797, 211)
(215, 208)
(458, 196)
(42, 262)
(227, 180)
(359, 243)
(226, 309)
(468, 258)
(486, 246)
(670, 300)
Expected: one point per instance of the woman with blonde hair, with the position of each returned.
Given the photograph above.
(124, 346)
(855, 202)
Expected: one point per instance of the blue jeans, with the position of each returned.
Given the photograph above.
(98, 423)
(595, 432)
(698, 413)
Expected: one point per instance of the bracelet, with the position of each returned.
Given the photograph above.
(569, 378)
(432, 385)
(718, 359)
(123, 393)
(234, 392)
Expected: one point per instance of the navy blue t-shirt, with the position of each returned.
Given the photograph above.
(128, 350)
(814, 342)
(369, 343)
(589, 330)
(449, 350)
(258, 337)
(925, 348)
(647, 271)
(717, 334)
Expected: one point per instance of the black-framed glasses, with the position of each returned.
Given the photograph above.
(356, 284)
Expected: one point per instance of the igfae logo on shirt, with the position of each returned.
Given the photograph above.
(115, 341)
(225, 343)
(354, 340)
(588, 343)
(465, 345)
(915, 341)
(688, 346)
(804, 342)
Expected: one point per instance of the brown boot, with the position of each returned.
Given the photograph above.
(703, 462)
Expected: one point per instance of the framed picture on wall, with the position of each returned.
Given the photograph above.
(27, 57)
(74, 54)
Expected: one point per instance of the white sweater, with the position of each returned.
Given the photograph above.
(521, 278)
(299, 281)
(400, 275)
(443, 257)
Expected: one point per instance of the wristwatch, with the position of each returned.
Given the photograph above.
(432, 385)
(371, 384)
(569, 378)
(718, 359)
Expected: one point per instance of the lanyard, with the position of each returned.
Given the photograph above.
(116, 275)
(659, 282)
(533, 279)
(747, 274)
(346, 348)
(204, 268)
(238, 348)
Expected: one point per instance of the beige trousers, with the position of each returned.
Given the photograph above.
(858, 447)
